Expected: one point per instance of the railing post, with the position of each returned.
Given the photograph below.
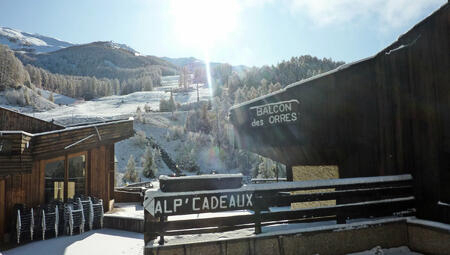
(161, 237)
(257, 210)
(149, 233)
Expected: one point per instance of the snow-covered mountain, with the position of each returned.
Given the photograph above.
(36, 43)
(124, 47)
(22, 41)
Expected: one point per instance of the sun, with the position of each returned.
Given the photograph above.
(202, 23)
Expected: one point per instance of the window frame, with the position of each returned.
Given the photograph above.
(66, 158)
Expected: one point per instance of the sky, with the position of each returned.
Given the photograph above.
(248, 32)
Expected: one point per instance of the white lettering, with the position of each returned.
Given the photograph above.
(294, 116)
(177, 203)
(165, 207)
(232, 202)
(223, 202)
(249, 199)
(275, 108)
(214, 202)
(288, 106)
(193, 204)
(205, 204)
(258, 111)
(158, 208)
(240, 200)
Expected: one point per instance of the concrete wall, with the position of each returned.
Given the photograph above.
(336, 239)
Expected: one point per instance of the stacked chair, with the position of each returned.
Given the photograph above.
(86, 203)
(97, 209)
(48, 220)
(24, 223)
(73, 217)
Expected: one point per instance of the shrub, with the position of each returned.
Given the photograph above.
(186, 159)
(139, 114)
(176, 132)
(15, 97)
(140, 139)
(131, 173)
(149, 168)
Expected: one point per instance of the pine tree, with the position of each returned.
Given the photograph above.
(148, 166)
(131, 173)
(51, 97)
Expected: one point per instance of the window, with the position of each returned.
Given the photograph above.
(62, 183)
(77, 176)
(54, 180)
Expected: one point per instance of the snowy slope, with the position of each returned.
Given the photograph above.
(18, 40)
(36, 43)
(58, 98)
(124, 46)
(115, 106)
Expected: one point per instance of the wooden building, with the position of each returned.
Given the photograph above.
(41, 161)
(384, 115)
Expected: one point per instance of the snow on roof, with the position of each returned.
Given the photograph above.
(85, 126)
(203, 176)
(428, 223)
(150, 194)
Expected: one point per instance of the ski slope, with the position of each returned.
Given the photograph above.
(121, 105)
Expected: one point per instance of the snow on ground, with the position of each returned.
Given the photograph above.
(131, 210)
(402, 250)
(120, 105)
(58, 98)
(100, 241)
(37, 102)
(19, 40)
(156, 127)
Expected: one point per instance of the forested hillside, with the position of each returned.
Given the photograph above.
(258, 81)
(231, 88)
(140, 76)
(12, 72)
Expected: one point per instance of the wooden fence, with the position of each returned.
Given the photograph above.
(356, 198)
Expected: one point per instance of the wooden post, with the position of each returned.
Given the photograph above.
(161, 237)
(289, 174)
(149, 233)
(2, 209)
(257, 214)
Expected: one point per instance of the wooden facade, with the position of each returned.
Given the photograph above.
(23, 160)
(384, 115)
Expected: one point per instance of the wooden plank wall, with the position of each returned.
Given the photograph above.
(15, 157)
(21, 189)
(10, 120)
(99, 173)
(2, 209)
(29, 188)
(385, 115)
(49, 144)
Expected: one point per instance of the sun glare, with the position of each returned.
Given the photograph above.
(201, 23)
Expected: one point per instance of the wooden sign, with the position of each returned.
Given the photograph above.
(158, 204)
(273, 114)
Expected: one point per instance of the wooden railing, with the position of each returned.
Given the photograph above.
(355, 198)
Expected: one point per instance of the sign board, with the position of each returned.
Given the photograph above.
(159, 204)
(273, 114)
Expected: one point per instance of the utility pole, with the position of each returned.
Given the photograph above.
(198, 97)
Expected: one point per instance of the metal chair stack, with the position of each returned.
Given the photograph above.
(97, 209)
(24, 222)
(73, 217)
(87, 210)
(50, 220)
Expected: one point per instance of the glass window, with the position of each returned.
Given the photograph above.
(54, 180)
(76, 182)
(57, 178)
